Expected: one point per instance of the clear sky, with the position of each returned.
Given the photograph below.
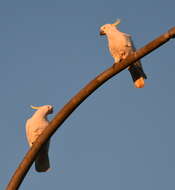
(120, 137)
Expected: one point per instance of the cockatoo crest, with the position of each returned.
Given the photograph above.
(46, 109)
(118, 21)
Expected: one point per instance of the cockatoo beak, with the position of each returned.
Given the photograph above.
(102, 32)
(35, 108)
(50, 111)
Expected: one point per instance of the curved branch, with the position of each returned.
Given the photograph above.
(68, 108)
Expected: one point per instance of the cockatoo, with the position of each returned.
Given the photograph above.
(34, 127)
(120, 46)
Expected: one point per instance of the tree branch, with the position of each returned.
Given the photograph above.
(68, 108)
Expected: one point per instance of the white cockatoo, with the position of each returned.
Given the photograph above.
(34, 127)
(120, 46)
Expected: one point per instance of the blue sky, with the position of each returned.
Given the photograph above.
(120, 137)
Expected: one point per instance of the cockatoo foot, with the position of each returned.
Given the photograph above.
(139, 83)
(117, 60)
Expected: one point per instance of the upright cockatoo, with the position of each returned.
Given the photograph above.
(34, 127)
(120, 46)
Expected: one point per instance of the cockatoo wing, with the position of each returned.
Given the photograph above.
(33, 130)
(136, 69)
(29, 133)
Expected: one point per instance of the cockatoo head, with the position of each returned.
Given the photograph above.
(108, 27)
(46, 109)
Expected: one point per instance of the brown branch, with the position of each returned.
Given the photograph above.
(62, 115)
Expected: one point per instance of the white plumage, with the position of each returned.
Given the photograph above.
(34, 127)
(120, 46)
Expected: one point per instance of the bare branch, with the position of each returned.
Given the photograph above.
(62, 115)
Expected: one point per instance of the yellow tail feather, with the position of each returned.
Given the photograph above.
(139, 83)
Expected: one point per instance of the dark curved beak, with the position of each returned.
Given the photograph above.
(102, 32)
(50, 111)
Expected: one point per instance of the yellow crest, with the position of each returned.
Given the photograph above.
(35, 107)
(118, 21)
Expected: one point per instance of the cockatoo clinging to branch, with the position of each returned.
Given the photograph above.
(120, 46)
(34, 127)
